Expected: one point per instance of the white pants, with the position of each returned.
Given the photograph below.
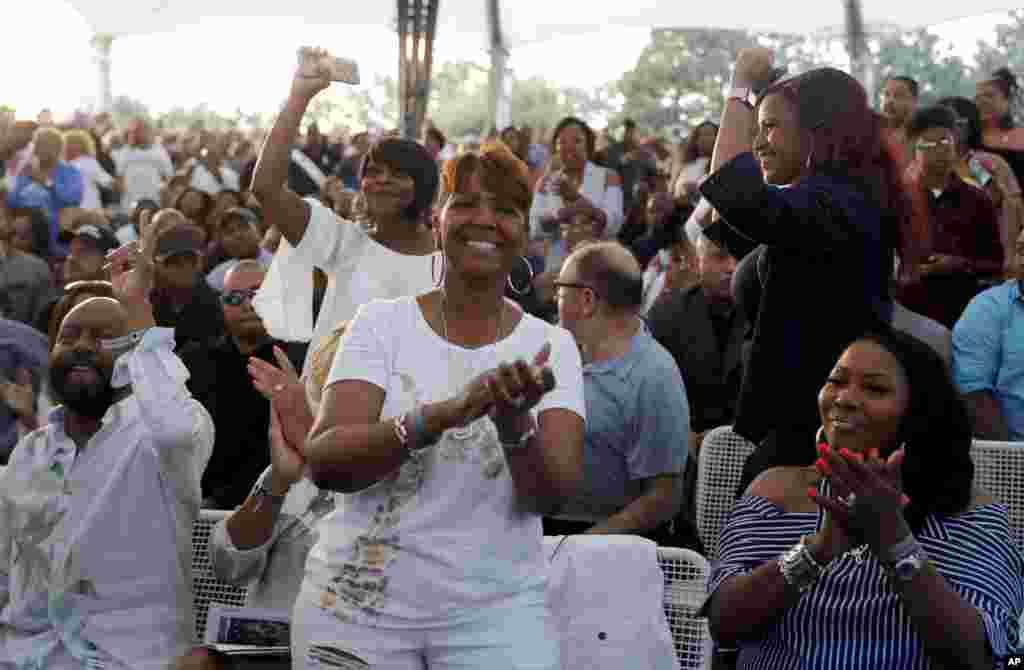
(517, 635)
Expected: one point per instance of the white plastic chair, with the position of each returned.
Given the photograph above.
(719, 469)
(999, 471)
(206, 588)
(686, 579)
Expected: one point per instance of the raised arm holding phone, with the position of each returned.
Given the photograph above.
(828, 236)
(389, 257)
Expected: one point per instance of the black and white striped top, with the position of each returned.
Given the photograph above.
(851, 618)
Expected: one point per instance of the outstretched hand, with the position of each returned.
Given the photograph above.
(286, 393)
(508, 392)
(132, 267)
(311, 75)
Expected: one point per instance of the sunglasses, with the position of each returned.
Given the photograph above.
(236, 298)
(925, 145)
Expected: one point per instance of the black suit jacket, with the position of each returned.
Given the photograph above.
(219, 379)
(681, 322)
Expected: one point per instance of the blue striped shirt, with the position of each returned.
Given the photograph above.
(852, 618)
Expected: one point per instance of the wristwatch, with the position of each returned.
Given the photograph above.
(519, 442)
(906, 569)
(905, 559)
(262, 492)
(741, 93)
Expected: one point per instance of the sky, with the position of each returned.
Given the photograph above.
(215, 62)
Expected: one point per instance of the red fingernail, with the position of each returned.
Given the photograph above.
(811, 491)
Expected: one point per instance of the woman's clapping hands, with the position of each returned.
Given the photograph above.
(867, 498)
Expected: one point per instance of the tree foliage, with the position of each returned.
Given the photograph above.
(921, 55)
(1008, 49)
(680, 76)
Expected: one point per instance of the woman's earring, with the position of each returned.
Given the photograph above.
(434, 276)
(820, 438)
(529, 282)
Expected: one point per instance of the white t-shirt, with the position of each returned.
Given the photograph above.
(203, 180)
(93, 176)
(358, 270)
(143, 170)
(442, 537)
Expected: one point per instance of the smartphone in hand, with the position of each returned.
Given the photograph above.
(343, 70)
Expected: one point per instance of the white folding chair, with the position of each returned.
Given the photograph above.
(206, 588)
(686, 580)
(999, 471)
(719, 469)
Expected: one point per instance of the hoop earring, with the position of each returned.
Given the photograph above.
(529, 282)
(434, 277)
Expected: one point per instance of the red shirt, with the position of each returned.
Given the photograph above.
(962, 222)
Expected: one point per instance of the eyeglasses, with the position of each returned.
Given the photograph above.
(236, 298)
(567, 284)
(925, 145)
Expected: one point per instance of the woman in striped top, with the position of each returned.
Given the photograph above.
(881, 555)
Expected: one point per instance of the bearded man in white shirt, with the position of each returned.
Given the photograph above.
(97, 507)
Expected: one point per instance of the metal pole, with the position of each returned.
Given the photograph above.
(499, 107)
(101, 45)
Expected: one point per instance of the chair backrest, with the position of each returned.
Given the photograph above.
(719, 469)
(206, 588)
(686, 579)
(999, 471)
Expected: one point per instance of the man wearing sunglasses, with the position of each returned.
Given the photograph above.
(220, 381)
(962, 250)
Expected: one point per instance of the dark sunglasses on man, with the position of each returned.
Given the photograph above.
(236, 298)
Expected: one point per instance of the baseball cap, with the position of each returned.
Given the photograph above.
(183, 238)
(100, 237)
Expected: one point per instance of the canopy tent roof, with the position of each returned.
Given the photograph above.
(528, 21)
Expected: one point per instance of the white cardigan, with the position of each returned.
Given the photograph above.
(595, 187)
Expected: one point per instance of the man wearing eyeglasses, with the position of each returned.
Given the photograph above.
(220, 381)
(638, 417)
(962, 247)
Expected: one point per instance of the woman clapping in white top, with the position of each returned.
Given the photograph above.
(448, 446)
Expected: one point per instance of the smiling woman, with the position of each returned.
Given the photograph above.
(463, 418)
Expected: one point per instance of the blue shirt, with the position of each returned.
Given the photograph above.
(638, 424)
(988, 351)
(65, 191)
(21, 346)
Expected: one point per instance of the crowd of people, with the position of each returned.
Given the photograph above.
(399, 363)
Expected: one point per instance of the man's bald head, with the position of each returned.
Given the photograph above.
(611, 270)
(82, 357)
(245, 274)
(97, 311)
(172, 216)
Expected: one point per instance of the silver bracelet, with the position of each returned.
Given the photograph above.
(799, 568)
(900, 550)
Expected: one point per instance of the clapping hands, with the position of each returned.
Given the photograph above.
(867, 498)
